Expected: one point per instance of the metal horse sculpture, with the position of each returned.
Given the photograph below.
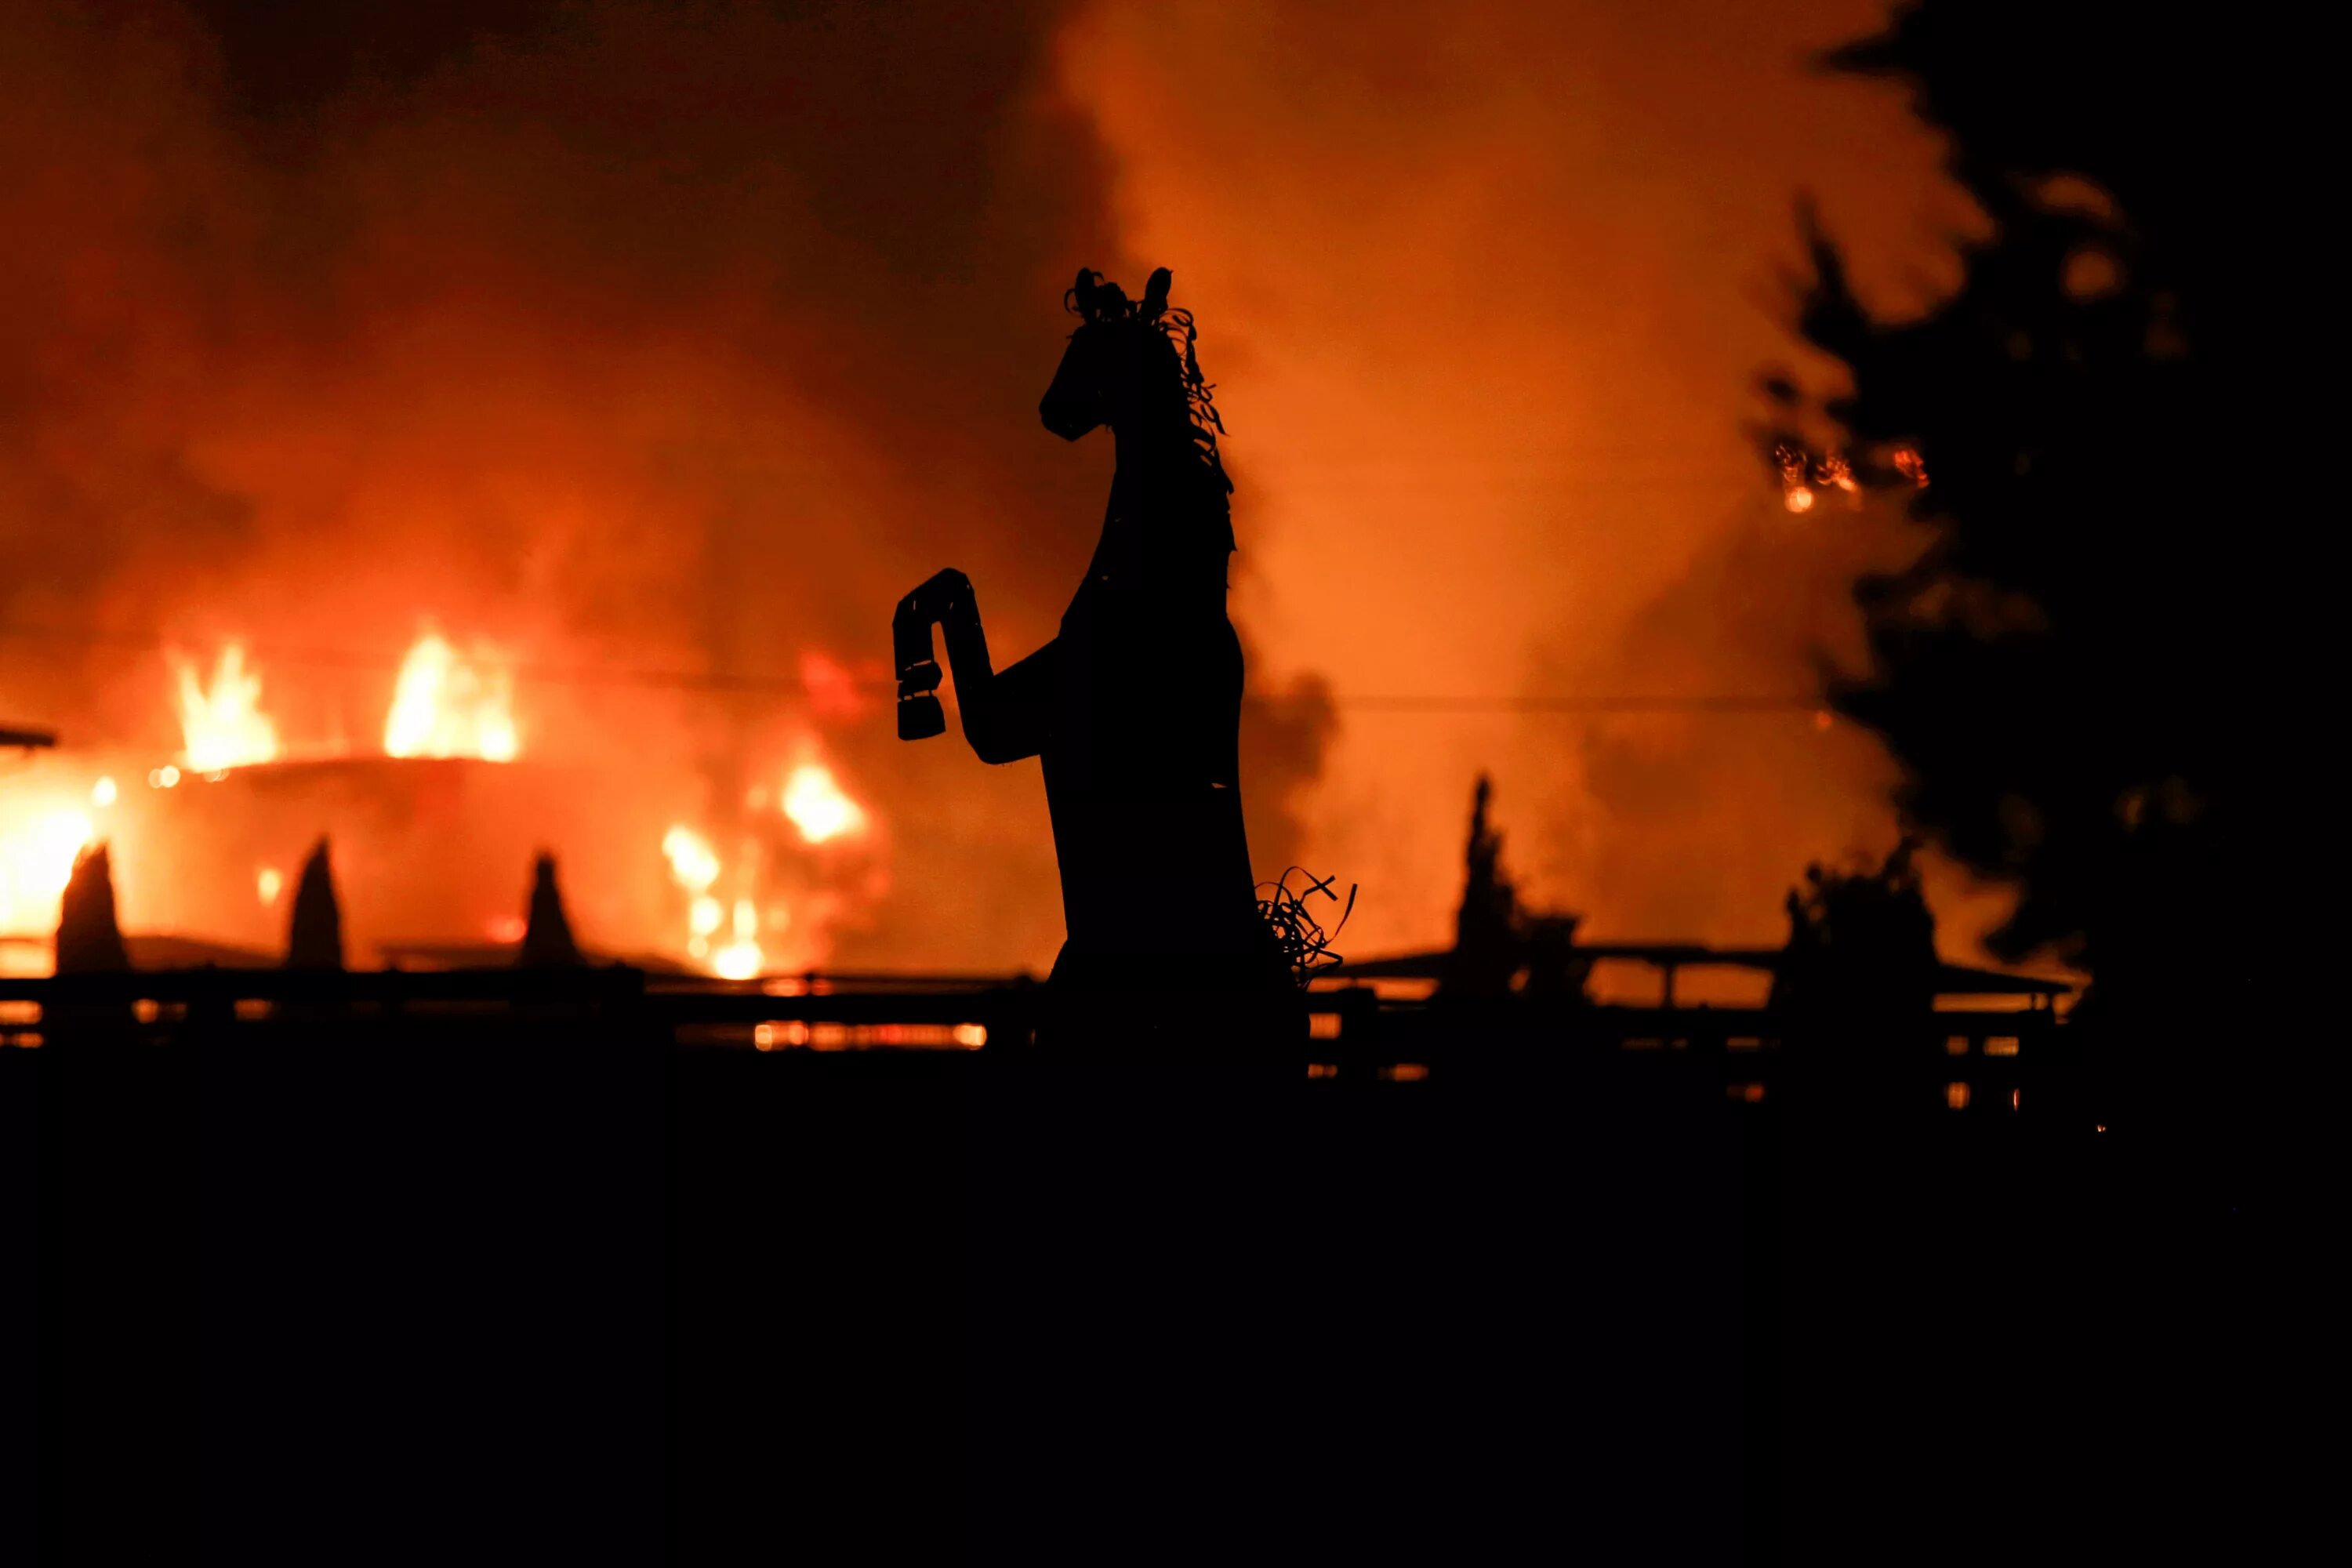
(1135, 707)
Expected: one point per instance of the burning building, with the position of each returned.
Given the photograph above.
(435, 831)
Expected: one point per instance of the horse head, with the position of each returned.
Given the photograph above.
(1125, 368)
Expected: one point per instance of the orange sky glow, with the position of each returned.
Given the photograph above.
(661, 354)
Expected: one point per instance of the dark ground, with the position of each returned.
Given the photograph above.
(578, 1299)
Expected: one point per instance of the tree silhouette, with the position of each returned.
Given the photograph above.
(314, 938)
(1856, 984)
(1486, 941)
(2076, 673)
(1498, 942)
(1864, 933)
(546, 935)
(88, 940)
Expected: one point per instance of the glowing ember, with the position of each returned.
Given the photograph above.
(102, 793)
(1908, 464)
(36, 860)
(448, 706)
(1804, 479)
(1838, 474)
(268, 884)
(818, 808)
(1795, 494)
(222, 725)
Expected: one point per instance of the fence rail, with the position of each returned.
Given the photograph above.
(1350, 1034)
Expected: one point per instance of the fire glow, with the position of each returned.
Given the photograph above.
(818, 808)
(445, 705)
(739, 905)
(1804, 477)
(694, 867)
(761, 887)
(221, 723)
(36, 860)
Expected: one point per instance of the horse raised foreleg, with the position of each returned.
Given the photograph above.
(1004, 712)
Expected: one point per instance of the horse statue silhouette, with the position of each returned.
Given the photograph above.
(1135, 707)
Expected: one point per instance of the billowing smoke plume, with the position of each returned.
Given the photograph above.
(1494, 283)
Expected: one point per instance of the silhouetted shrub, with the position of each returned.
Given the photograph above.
(547, 932)
(2085, 674)
(88, 940)
(314, 938)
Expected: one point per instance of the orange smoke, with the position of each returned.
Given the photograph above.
(672, 379)
(1486, 289)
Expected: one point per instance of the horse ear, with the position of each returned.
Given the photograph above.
(1155, 293)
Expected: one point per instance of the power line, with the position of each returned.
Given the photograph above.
(1575, 705)
(792, 685)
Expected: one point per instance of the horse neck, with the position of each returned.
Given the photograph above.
(1167, 535)
(1161, 468)
(1157, 450)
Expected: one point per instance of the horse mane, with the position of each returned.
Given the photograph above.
(1105, 301)
(1199, 394)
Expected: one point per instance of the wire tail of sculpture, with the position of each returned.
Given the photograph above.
(1306, 946)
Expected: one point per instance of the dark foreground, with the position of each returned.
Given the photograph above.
(577, 1296)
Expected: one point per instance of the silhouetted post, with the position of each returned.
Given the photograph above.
(88, 940)
(547, 936)
(1486, 929)
(315, 938)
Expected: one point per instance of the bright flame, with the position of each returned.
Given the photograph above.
(103, 792)
(446, 705)
(818, 805)
(36, 861)
(221, 724)
(737, 960)
(268, 884)
(693, 864)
